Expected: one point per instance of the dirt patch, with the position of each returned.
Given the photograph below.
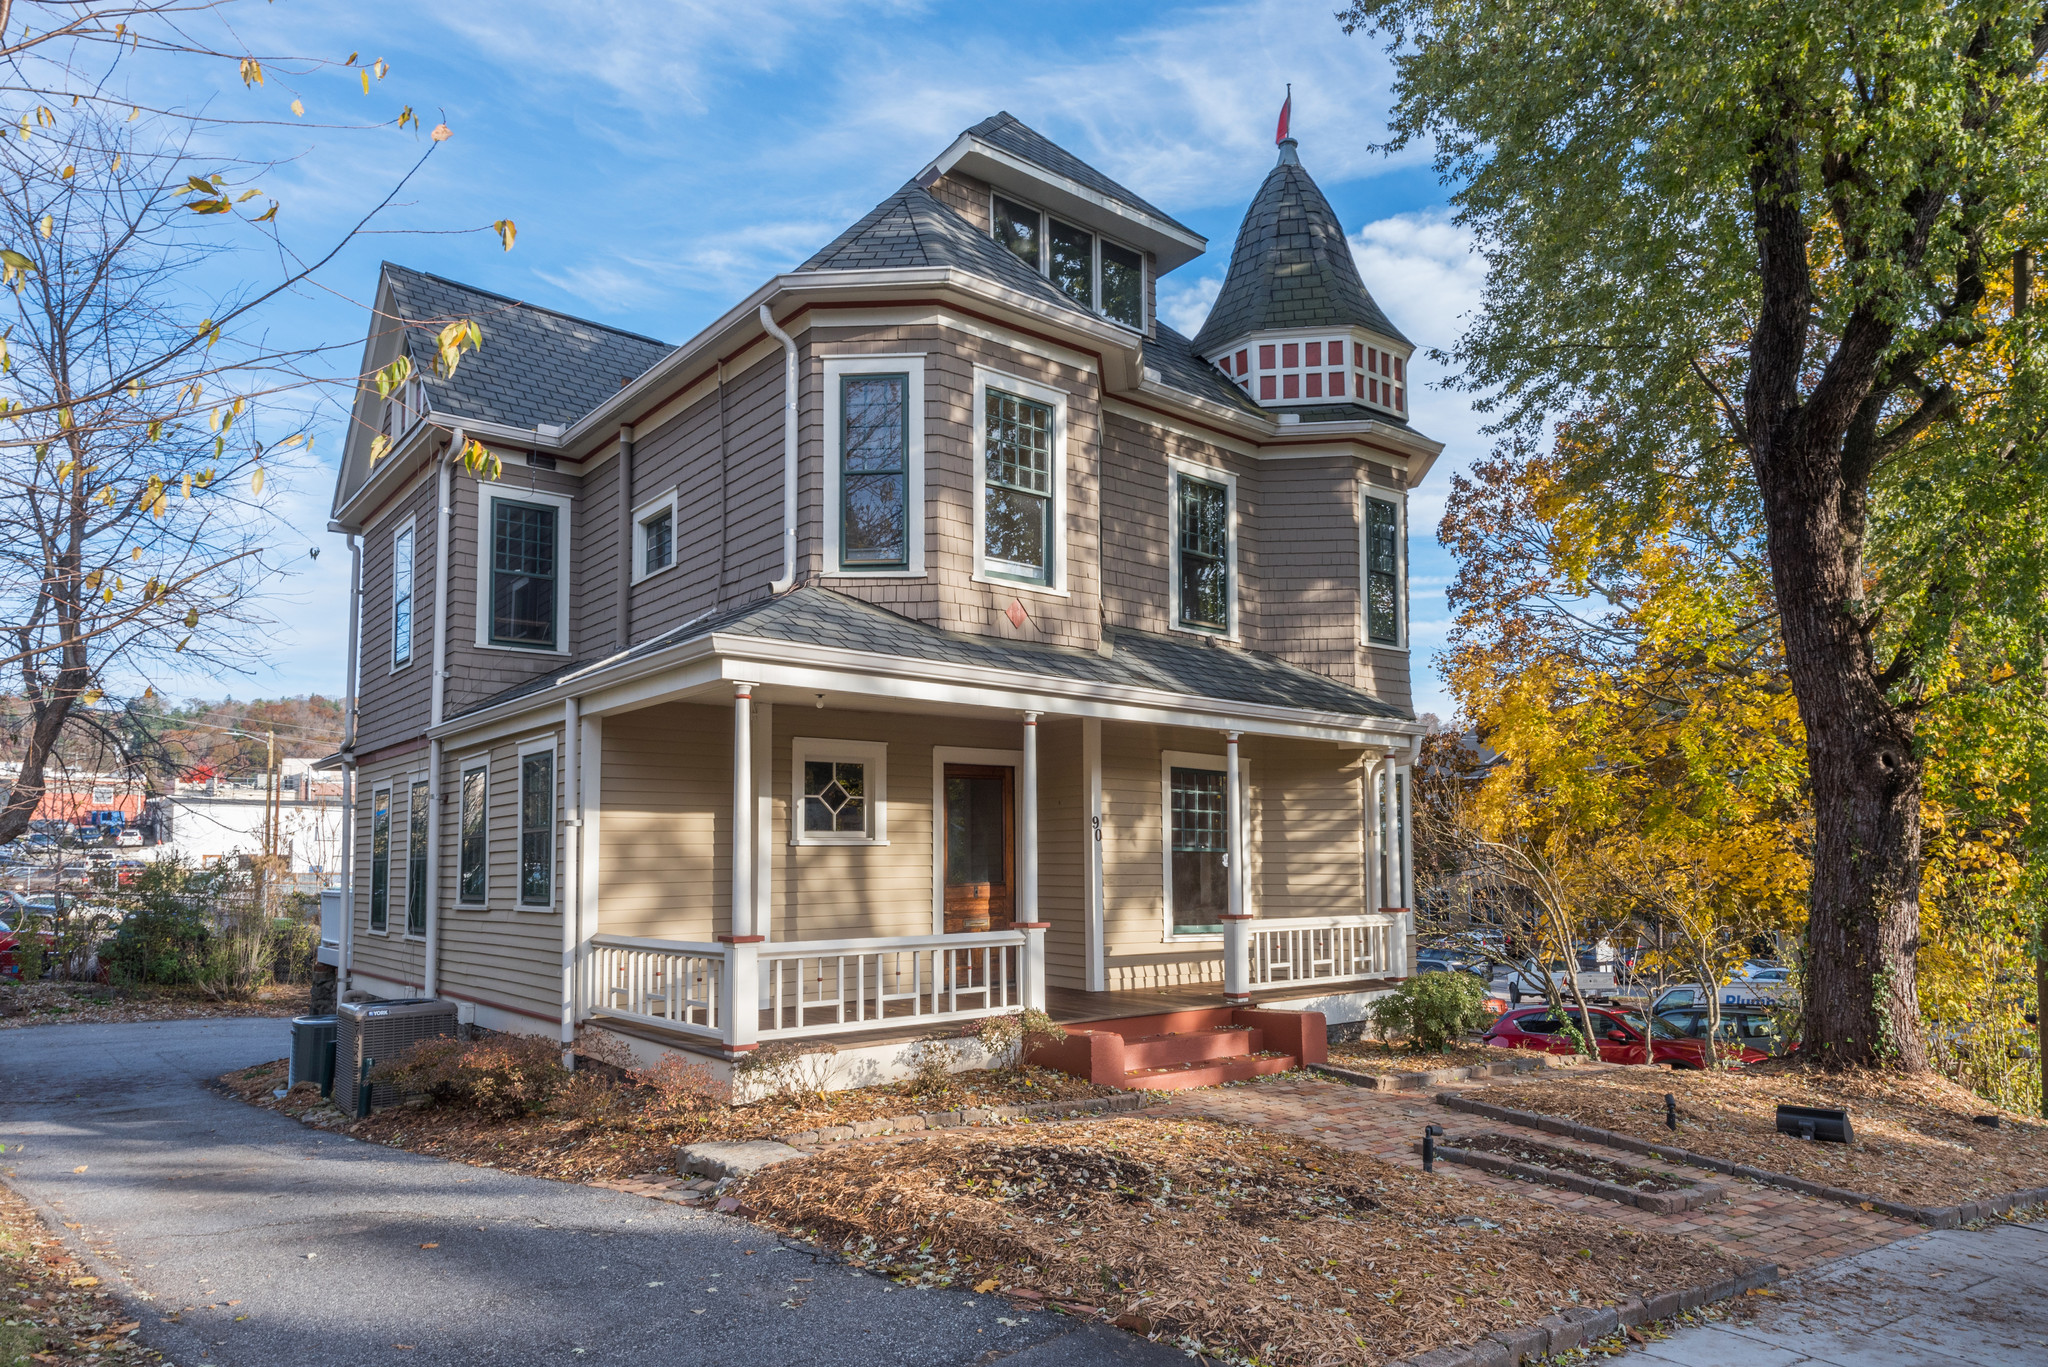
(630, 1143)
(52, 1310)
(1235, 1241)
(1371, 1056)
(55, 1003)
(1567, 1160)
(1915, 1140)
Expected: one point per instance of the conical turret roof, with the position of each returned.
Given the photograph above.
(1291, 267)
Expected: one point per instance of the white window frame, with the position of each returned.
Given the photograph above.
(985, 379)
(665, 503)
(1096, 238)
(409, 534)
(1169, 760)
(874, 754)
(487, 490)
(916, 499)
(464, 767)
(943, 755)
(1399, 499)
(1208, 474)
(550, 745)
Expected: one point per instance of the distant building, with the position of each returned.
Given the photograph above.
(212, 819)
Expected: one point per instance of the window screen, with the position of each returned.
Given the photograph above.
(523, 573)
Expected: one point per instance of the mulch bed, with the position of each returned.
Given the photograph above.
(1915, 1140)
(1371, 1056)
(572, 1149)
(52, 1311)
(53, 1003)
(1567, 1160)
(1217, 1238)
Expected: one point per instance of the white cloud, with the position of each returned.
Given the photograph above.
(1185, 303)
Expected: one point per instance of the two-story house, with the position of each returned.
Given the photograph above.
(934, 634)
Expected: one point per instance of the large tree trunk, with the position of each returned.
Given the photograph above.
(1863, 929)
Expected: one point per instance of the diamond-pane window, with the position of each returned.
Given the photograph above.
(835, 796)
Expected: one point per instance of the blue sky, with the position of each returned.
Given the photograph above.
(662, 159)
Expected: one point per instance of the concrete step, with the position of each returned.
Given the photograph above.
(1208, 1073)
(1192, 1046)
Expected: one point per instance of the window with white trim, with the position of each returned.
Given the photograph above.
(522, 568)
(401, 596)
(841, 792)
(1204, 546)
(416, 860)
(380, 860)
(1384, 572)
(537, 826)
(1198, 846)
(654, 536)
(874, 471)
(1096, 273)
(472, 872)
(1018, 492)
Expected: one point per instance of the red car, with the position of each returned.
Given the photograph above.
(9, 968)
(1618, 1035)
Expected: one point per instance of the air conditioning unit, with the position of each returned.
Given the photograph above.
(382, 1031)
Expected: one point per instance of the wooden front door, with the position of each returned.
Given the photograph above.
(981, 847)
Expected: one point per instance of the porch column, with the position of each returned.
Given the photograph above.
(1237, 934)
(1391, 895)
(740, 995)
(1026, 910)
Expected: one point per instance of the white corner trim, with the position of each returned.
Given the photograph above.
(874, 754)
(943, 755)
(486, 492)
(986, 378)
(1210, 474)
(916, 497)
(658, 504)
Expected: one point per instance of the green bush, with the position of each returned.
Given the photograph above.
(1430, 1010)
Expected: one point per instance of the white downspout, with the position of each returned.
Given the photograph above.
(348, 769)
(788, 452)
(572, 874)
(444, 494)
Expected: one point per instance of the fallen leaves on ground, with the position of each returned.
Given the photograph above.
(51, 1313)
(1374, 1056)
(72, 1003)
(1915, 1140)
(1219, 1238)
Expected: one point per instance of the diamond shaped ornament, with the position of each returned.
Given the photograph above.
(1015, 612)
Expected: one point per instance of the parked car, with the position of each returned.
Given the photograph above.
(1749, 1028)
(1757, 996)
(1450, 961)
(1529, 979)
(1756, 971)
(10, 940)
(1618, 1035)
(129, 838)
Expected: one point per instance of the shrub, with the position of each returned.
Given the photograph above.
(790, 1071)
(1431, 1009)
(1009, 1040)
(931, 1065)
(500, 1076)
(677, 1089)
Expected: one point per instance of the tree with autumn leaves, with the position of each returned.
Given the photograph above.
(1794, 240)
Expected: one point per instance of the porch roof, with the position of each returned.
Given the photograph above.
(1191, 667)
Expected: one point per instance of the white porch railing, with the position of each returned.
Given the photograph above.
(1325, 949)
(672, 983)
(813, 987)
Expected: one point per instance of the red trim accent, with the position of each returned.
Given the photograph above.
(741, 939)
(1031, 925)
(555, 1019)
(1247, 917)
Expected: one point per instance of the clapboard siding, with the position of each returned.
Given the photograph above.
(665, 836)
(500, 953)
(1309, 832)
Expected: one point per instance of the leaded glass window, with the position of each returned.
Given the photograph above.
(1199, 818)
(380, 860)
(874, 473)
(401, 598)
(1204, 553)
(1018, 506)
(1382, 572)
(523, 573)
(471, 871)
(416, 862)
(537, 829)
(835, 797)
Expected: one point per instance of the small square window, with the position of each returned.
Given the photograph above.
(1290, 355)
(835, 797)
(1290, 387)
(1266, 357)
(840, 792)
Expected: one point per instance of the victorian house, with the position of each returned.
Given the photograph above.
(937, 633)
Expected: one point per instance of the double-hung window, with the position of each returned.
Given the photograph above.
(1094, 272)
(380, 860)
(401, 597)
(472, 876)
(874, 472)
(1383, 587)
(1018, 536)
(658, 541)
(537, 828)
(1202, 552)
(416, 862)
(1198, 849)
(523, 572)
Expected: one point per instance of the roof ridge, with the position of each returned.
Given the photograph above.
(522, 303)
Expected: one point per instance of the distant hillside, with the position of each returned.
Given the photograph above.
(169, 740)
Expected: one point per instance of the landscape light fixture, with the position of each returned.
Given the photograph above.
(1429, 1138)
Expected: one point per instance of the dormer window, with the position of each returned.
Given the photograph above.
(1093, 271)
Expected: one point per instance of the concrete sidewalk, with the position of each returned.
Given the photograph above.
(245, 1239)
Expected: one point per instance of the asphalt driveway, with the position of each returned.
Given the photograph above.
(245, 1239)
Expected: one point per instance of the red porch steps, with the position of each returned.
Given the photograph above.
(1188, 1048)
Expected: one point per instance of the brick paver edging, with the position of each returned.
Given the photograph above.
(1564, 1332)
(1658, 1202)
(971, 1116)
(1934, 1217)
(1415, 1082)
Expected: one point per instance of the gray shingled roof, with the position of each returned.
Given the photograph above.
(1173, 356)
(1186, 666)
(912, 228)
(1004, 130)
(1291, 267)
(535, 366)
